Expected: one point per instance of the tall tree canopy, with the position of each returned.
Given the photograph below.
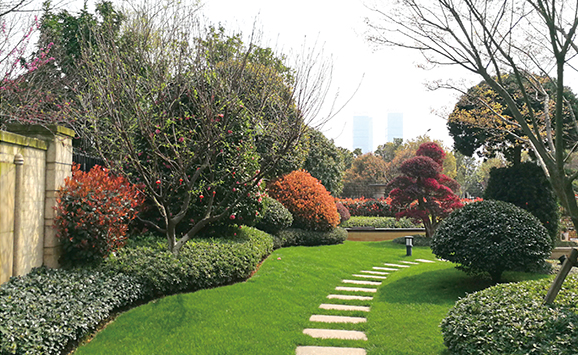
(482, 119)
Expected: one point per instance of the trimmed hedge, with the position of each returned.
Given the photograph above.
(510, 319)
(295, 237)
(201, 263)
(40, 313)
(378, 222)
(368, 207)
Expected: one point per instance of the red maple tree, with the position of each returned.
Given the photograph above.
(423, 193)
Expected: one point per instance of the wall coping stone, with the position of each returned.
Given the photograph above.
(40, 130)
(20, 140)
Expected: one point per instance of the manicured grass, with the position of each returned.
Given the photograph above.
(267, 314)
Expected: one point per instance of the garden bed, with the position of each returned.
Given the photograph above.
(370, 234)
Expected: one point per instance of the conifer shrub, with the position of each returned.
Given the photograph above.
(493, 237)
(93, 213)
(526, 186)
(275, 217)
(306, 198)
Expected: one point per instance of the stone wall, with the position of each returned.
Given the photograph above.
(34, 161)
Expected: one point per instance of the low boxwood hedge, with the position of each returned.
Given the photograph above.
(377, 222)
(294, 237)
(201, 263)
(40, 313)
(510, 319)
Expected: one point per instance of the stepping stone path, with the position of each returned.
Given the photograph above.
(349, 334)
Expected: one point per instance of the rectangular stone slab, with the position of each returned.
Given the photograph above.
(328, 350)
(375, 272)
(384, 268)
(342, 307)
(348, 297)
(335, 334)
(395, 265)
(336, 319)
(409, 262)
(370, 276)
(425, 261)
(361, 282)
(356, 289)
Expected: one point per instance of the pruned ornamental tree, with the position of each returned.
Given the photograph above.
(422, 192)
(493, 38)
(173, 110)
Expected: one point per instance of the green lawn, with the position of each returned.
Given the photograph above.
(267, 314)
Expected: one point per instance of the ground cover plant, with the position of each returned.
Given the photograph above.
(511, 319)
(267, 314)
(42, 311)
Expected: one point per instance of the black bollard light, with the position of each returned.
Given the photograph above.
(408, 244)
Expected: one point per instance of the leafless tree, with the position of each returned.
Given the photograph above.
(491, 38)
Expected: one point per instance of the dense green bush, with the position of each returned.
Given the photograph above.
(526, 186)
(275, 216)
(294, 237)
(492, 236)
(42, 311)
(510, 319)
(378, 222)
(202, 263)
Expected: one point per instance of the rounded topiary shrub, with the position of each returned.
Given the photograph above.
(275, 217)
(492, 236)
(526, 186)
(511, 319)
(306, 198)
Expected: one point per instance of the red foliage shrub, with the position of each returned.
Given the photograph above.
(93, 213)
(343, 212)
(368, 207)
(423, 193)
(307, 199)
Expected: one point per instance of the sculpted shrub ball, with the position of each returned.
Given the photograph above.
(307, 199)
(93, 213)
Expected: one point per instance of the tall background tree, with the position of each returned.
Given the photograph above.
(184, 113)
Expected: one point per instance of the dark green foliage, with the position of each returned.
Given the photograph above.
(526, 186)
(202, 263)
(294, 237)
(44, 310)
(275, 216)
(510, 319)
(492, 237)
(378, 222)
(325, 162)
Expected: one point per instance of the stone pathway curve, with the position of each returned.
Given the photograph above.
(368, 280)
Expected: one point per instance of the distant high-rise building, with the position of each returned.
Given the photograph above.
(363, 133)
(394, 126)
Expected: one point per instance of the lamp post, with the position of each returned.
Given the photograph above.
(408, 244)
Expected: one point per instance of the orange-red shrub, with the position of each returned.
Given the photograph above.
(93, 213)
(307, 199)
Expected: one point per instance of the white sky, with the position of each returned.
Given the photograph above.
(390, 79)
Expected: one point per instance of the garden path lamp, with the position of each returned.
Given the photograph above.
(408, 244)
